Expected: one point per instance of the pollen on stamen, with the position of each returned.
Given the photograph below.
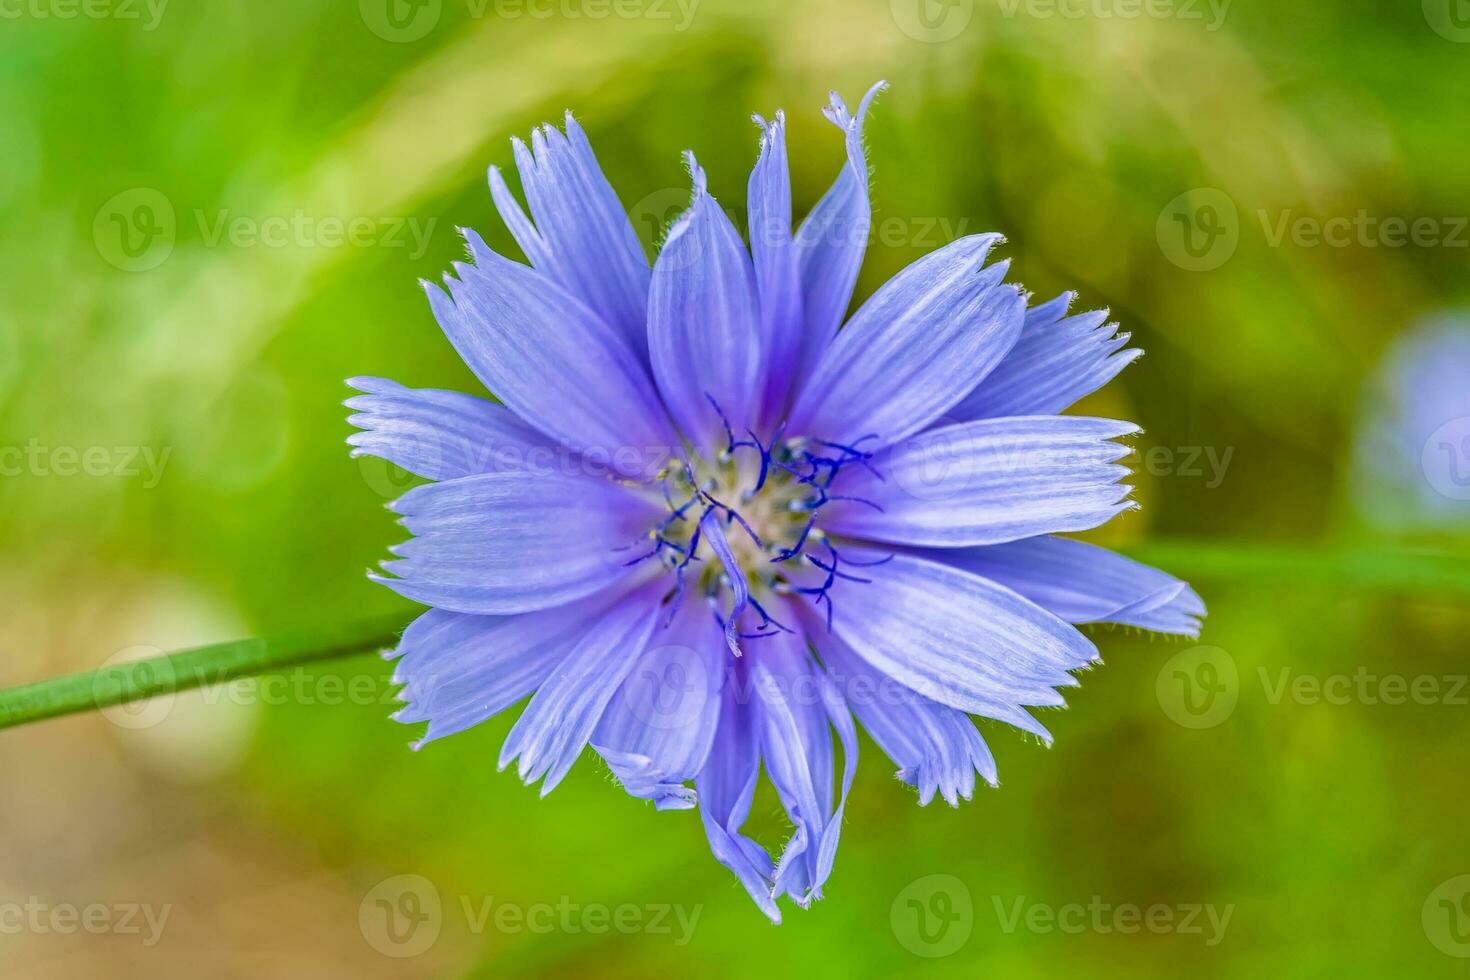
(775, 495)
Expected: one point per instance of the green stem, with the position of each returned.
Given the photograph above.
(1363, 567)
(215, 664)
(1388, 569)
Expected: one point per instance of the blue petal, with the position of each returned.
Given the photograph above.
(894, 369)
(459, 670)
(777, 270)
(439, 435)
(582, 239)
(551, 733)
(989, 481)
(797, 706)
(703, 322)
(503, 543)
(1083, 583)
(1055, 363)
(656, 733)
(726, 786)
(831, 241)
(937, 749)
(957, 638)
(714, 534)
(553, 361)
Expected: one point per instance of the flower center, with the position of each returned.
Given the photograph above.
(745, 525)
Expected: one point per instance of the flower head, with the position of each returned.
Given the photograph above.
(706, 530)
(1412, 466)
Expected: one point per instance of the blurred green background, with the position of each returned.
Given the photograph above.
(213, 213)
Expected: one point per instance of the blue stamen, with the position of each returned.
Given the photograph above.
(765, 456)
(679, 571)
(814, 464)
(767, 619)
(735, 516)
(870, 564)
(858, 500)
(795, 549)
(731, 444)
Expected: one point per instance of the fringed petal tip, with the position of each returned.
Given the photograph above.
(369, 385)
(770, 128)
(1056, 308)
(481, 255)
(929, 779)
(837, 112)
(1175, 609)
(700, 188)
(641, 777)
(696, 174)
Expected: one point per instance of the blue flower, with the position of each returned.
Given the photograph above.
(706, 530)
(1411, 470)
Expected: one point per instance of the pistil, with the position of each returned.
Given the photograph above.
(754, 509)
